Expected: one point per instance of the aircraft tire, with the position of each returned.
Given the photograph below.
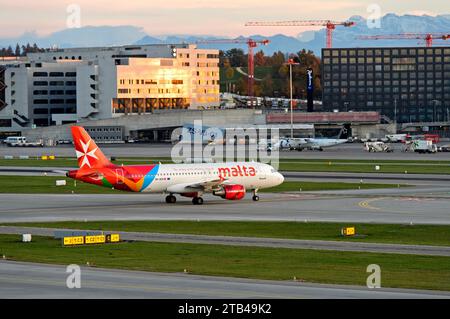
(170, 199)
(197, 201)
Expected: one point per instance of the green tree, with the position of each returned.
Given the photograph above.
(17, 50)
(260, 59)
(237, 57)
(241, 86)
(225, 63)
(278, 59)
(283, 71)
(229, 73)
(9, 51)
(267, 87)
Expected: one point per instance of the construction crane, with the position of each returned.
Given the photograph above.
(428, 37)
(330, 26)
(251, 61)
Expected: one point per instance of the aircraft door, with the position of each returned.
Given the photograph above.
(119, 176)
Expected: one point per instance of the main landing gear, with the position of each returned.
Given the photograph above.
(255, 195)
(197, 201)
(170, 199)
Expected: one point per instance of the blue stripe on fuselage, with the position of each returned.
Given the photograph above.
(148, 179)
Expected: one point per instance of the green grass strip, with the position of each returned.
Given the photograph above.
(399, 271)
(438, 235)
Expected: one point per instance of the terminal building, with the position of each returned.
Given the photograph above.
(403, 84)
(65, 86)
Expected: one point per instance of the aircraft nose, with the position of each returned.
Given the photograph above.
(280, 178)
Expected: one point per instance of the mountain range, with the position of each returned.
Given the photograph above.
(310, 40)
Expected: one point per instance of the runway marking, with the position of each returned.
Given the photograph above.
(366, 203)
(416, 199)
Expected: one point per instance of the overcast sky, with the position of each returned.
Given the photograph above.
(201, 17)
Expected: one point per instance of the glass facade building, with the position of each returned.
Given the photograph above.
(404, 84)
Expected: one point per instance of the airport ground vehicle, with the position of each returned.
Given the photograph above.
(60, 142)
(420, 146)
(21, 141)
(396, 138)
(378, 147)
(229, 180)
(435, 138)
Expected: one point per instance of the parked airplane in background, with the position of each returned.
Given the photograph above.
(321, 143)
(312, 143)
(228, 180)
(287, 144)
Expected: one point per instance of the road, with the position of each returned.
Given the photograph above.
(28, 280)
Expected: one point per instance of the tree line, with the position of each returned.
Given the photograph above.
(20, 50)
(273, 76)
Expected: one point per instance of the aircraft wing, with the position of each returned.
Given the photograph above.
(194, 187)
(307, 142)
(206, 185)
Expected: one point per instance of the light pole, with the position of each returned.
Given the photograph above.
(434, 109)
(395, 114)
(291, 63)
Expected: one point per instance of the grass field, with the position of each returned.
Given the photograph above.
(46, 185)
(401, 271)
(380, 233)
(356, 167)
(301, 165)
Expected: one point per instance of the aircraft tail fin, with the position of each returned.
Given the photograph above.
(346, 132)
(88, 153)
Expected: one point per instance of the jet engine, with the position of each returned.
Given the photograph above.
(231, 192)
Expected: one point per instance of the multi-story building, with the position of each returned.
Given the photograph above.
(67, 85)
(404, 84)
(8, 115)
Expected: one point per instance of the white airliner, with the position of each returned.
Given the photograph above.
(307, 143)
(227, 180)
(302, 143)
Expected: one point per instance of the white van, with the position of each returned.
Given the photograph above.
(15, 140)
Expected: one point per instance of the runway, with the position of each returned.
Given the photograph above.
(254, 242)
(425, 205)
(28, 280)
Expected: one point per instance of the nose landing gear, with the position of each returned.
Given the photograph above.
(255, 196)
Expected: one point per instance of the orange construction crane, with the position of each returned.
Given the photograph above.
(251, 61)
(428, 37)
(330, 25)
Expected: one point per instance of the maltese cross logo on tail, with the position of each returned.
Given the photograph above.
(86, 153)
